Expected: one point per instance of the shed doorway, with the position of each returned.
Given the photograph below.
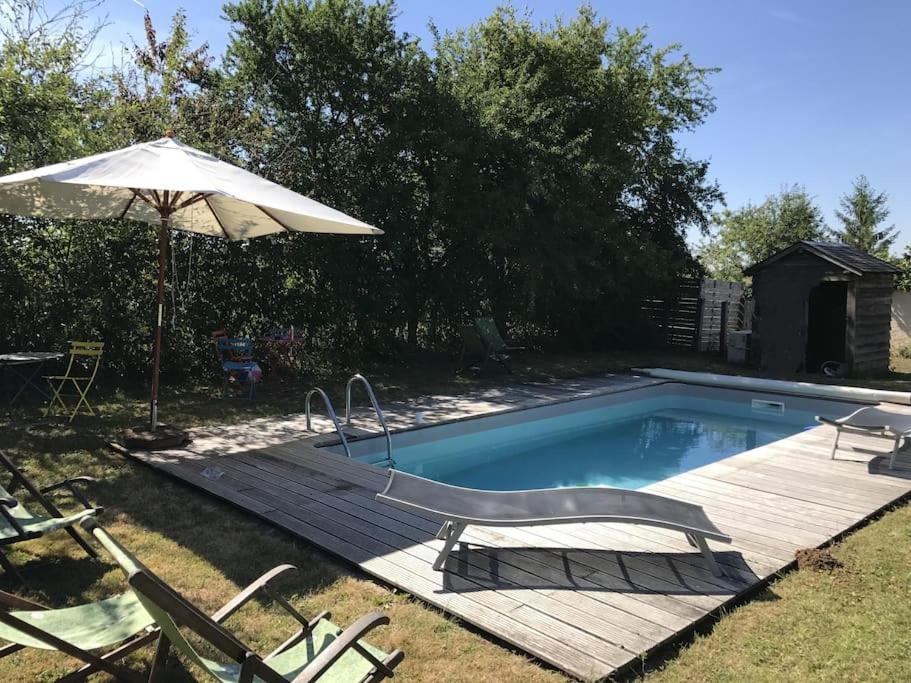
(827, 316)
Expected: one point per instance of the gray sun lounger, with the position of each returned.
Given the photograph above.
(459, 507)
(872, 422)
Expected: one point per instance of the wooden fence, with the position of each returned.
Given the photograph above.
(699, 316)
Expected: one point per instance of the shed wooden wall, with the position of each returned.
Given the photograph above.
(870, 338)
(781, 293)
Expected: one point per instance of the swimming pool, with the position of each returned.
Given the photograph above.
(626, 439)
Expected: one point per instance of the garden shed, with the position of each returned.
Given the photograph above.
(817, 302)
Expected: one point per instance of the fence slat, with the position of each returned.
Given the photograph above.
(699, 317)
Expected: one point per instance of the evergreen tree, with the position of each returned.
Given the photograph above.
(862, 214)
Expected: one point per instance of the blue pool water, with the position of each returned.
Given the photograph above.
(628, 445)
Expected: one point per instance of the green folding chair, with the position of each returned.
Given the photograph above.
(484, 332)
(318, 650)
(119, 621)
(493, 340)
(18, 524)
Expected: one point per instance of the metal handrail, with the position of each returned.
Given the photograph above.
(332, 415)
(376, 408)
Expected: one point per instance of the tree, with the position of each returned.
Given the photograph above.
(739, 238)
(577, 193)
(862, 214)
(533, 171)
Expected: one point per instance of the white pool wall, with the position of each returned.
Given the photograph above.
(844, 393)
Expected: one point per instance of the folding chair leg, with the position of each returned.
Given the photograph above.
(55, 398)
(83, 399)
(76, 536)
(157, 672)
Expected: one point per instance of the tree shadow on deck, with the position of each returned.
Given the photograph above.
(594, 570)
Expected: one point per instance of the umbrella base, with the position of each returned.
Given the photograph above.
(163, 438)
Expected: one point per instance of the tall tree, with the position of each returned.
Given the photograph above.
(862, 213)
(742, 237)
(581, 194)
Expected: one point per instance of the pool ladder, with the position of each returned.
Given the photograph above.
(338, 427)
(376, 409)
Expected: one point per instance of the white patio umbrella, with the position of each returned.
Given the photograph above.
(175, 186)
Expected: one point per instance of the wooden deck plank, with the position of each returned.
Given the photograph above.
(587, 598)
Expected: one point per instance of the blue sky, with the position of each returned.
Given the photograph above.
(809, 92)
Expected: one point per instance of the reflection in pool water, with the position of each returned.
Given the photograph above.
(625, 446)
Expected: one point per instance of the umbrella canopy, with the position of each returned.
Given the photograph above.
(205, 195)
(175, 186)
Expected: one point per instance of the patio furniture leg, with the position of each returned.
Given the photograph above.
(709, 557)
(76, 536)
(82, 399)
(55, 398)
(691, 540)
(29, 381)
(160, 661)
(835, 445)
(895, 447)
(454, 530)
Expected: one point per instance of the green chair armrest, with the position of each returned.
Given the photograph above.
(261, 584)
(346, 641)
(69, 485)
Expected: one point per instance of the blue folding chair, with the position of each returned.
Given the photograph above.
(240, 370)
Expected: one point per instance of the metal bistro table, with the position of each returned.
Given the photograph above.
(27, 367)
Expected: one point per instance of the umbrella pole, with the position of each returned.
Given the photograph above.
(159, 312)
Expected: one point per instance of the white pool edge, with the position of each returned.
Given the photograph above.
(810, 389)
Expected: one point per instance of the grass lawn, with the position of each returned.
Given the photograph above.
(850, 624)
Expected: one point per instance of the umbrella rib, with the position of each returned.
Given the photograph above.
(215, 216)
(127, 207)
(265, 211)
(198, 197)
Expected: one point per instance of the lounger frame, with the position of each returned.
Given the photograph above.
(454, 525)
(882, 431)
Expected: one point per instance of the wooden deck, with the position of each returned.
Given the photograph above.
(586, 598)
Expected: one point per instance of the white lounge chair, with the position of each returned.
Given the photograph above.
(459, 507)
(872, 422)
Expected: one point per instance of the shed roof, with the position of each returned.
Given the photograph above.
(841, 255)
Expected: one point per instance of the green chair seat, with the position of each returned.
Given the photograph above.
(351, 666)
(37, 524)
(88, 627)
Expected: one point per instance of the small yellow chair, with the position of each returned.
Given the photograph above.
(81, 355)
